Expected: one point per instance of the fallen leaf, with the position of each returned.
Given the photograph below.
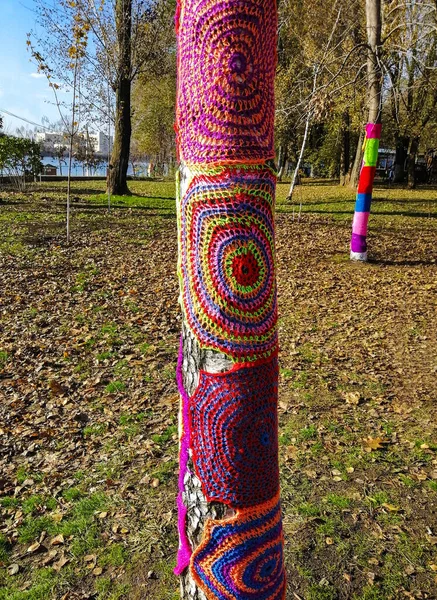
(60, 563)
(34, 547)
(353, 398)
(371, 444)
(97, 571)
(56, 388)
(57, 517)
(57, 540)
(90, 557)
(13, 569)
(50, 557)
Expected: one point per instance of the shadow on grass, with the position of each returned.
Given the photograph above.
(402, 263)
(289, 210)
(375, 201)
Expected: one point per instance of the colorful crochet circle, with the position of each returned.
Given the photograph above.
(226, 66)
(227, 262)
(234, 439)
(242, 558)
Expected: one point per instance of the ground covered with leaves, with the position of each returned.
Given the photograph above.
(88, 400)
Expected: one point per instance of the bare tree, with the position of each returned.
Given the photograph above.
(127, 38)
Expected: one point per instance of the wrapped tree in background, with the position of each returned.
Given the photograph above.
(231, 541)
(373, 133)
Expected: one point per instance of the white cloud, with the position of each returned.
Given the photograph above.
(37, 75)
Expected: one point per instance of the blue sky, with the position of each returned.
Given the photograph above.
(22, 90)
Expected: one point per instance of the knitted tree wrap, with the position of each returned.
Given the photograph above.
(364, 192)
(241, 558)
(227, 261)
(226, 67)
(234, 426)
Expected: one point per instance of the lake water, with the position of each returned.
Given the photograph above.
(80, 170)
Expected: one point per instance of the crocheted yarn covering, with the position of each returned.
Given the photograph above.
(364, 194)
(184, 550)
(227, 263)
(228, 427)
(226, 67)
(242, 558)
(234, 425)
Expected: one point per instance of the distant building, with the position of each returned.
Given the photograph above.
(53, 140)
(386, 158)
(50, 170)
(100, 142)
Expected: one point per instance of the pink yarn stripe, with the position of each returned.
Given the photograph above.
(359, 225)
(373, 130)
(184, 550)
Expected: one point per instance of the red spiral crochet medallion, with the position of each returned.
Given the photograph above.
(245, 268)
(227, 261)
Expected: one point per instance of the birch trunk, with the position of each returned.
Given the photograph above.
(227, 370)
(304, 141)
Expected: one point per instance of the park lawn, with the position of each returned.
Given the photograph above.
(88, 409)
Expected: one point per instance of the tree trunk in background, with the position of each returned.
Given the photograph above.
(282, 161)
(414, 147)
(345, 148)
(358, 247)
(227, 370)
(402, 144)
(356, 168)
(305, 137)
(117, 175)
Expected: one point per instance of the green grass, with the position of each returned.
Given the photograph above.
(4, 357)
(333, 525)
(115, 387)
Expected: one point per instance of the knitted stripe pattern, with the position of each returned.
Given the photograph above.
(226, 268)
(241, 558)
(227, 262)
(365, 188)
(234, 435)
(226, 68)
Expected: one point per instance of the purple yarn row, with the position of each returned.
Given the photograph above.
(358, 243)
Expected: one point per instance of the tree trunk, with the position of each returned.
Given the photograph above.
(345, 148)
(356, 168)
(402, 144)
(305, 137)
(282, 161)
(358, 246)
(230, 530)
(117, 174)
(414, 147)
